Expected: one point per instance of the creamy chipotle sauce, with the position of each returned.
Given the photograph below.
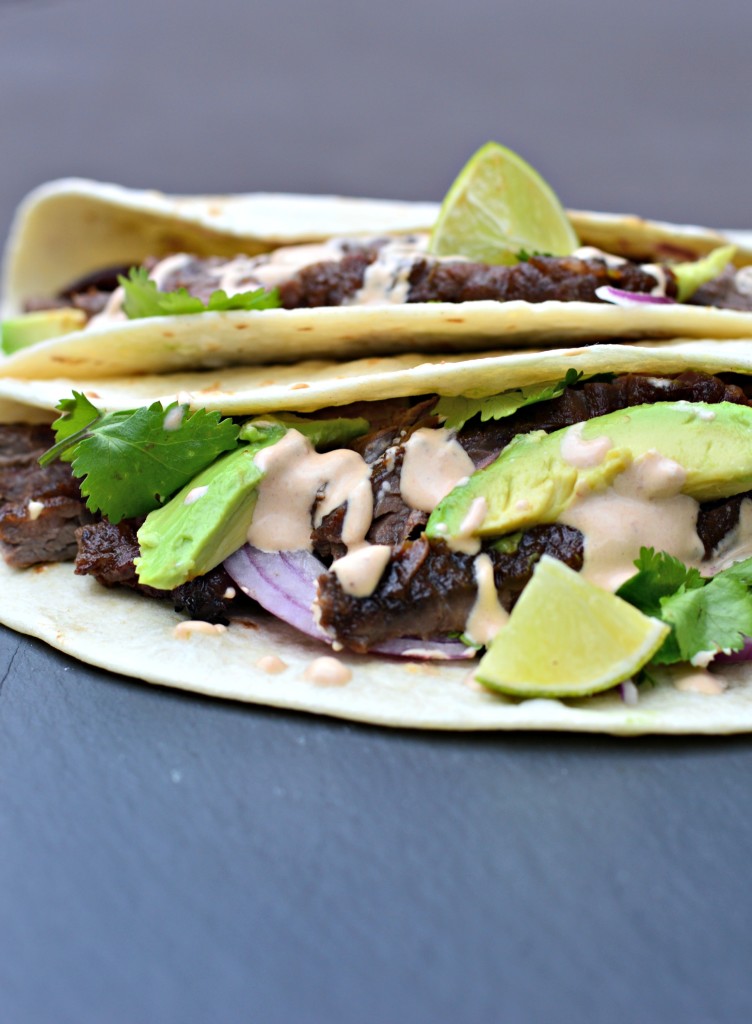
(643, 508)
(434, 463)
(487, 616)
(359, 571)
(327, 671)
(298, 479)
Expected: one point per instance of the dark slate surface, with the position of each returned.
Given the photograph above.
(171, 859)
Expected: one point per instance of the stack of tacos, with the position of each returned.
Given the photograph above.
(340, 488)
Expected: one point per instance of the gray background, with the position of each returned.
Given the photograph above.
(170, 859)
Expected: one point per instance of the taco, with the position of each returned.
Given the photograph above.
(349, 537)
(139, 282)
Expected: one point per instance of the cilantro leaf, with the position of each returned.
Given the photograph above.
(79, 417)
(77, 413)
(711, 618)
(131, 462)
(523, 255)
(457, 411)
(704, 614)
(144, 299)
(658, 576)
(740, 571)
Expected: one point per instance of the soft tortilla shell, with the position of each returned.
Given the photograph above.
(215, 340)
(316, 384)
(124, 633)
(70, 227)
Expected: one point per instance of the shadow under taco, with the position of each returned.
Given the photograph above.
(349, 539)
(105, 281)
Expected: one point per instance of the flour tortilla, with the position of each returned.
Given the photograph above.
(71, 227)
(317, 384)
(132, 636)
(124, 633)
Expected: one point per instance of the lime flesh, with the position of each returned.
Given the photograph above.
(568, 638)
(498, 207)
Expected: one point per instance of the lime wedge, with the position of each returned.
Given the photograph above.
(568, 638)
(497, 207)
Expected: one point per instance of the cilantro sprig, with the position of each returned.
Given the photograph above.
(130, 463)
(705, 614)
(144, 299)
(457, 411)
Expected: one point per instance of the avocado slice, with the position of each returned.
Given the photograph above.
(321, 433)
(205, 522)
(691, 276)
(532, 482)
(209, 518)
(22, 331)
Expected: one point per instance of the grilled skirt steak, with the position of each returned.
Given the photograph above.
(337, 281)
(428, 590)
(40, 508)
(106, 551)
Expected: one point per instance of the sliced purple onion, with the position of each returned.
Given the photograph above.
(629, 692)
(734, 657)
(284, 583)
(425, 650)
(620, 297)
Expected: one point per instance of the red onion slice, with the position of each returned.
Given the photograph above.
(735, 657)
(620, 297)
(284, 583)
(425, 650)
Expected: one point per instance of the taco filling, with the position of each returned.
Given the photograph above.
(500, 236)
(406, 527)
(382, 271)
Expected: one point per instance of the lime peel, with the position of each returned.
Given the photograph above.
(568, 638)
(497, 207)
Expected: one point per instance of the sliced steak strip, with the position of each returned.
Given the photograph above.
(717, 518)
(88, 293)
(428, 590)
(50, 536)
(40, 507)
(538, 279)
(106, 551)
(731, 290)
(329, 283)
(21, 443)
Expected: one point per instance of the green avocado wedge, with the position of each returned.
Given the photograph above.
(537, 477)
(205, 522)
(209, 518)
(31, 328)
